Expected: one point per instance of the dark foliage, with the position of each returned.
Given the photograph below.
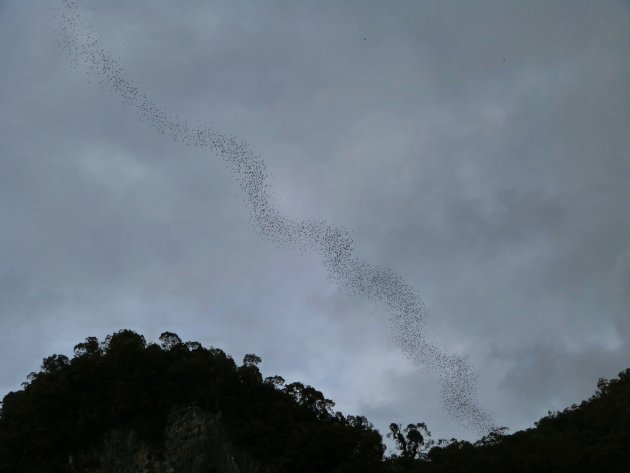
(125, 382)
(592, 437)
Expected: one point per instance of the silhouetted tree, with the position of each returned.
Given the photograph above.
(55, 363)
(91, 347)
(410, 439)
(251, 360)
(275, 381)
(169, 340)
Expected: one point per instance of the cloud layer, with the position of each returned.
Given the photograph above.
(498, 187)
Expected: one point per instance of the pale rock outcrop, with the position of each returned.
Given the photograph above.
(194, 442)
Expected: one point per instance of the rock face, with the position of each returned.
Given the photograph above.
(194, 443)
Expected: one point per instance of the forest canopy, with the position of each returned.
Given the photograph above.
(125, 382)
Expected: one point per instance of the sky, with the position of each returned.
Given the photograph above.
(480, 149)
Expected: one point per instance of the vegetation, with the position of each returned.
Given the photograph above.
(591, 437)
(125, 382)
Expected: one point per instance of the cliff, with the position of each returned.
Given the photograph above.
(194, 442)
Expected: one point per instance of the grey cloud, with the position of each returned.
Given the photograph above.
(565, 376)
(497, 187)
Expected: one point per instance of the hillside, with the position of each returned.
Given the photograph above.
(127, 389)
(125, 405)
(593, 436)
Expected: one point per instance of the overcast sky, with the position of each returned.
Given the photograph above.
(479, 148)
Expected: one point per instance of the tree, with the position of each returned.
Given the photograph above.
(251, 360)
(169, 340)
(194, 346)
(493, 437)
(90, 347)
(602, 386)
(249, 371)
(124, 341)
(276, 381)
(410, 440)
(54, 363)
